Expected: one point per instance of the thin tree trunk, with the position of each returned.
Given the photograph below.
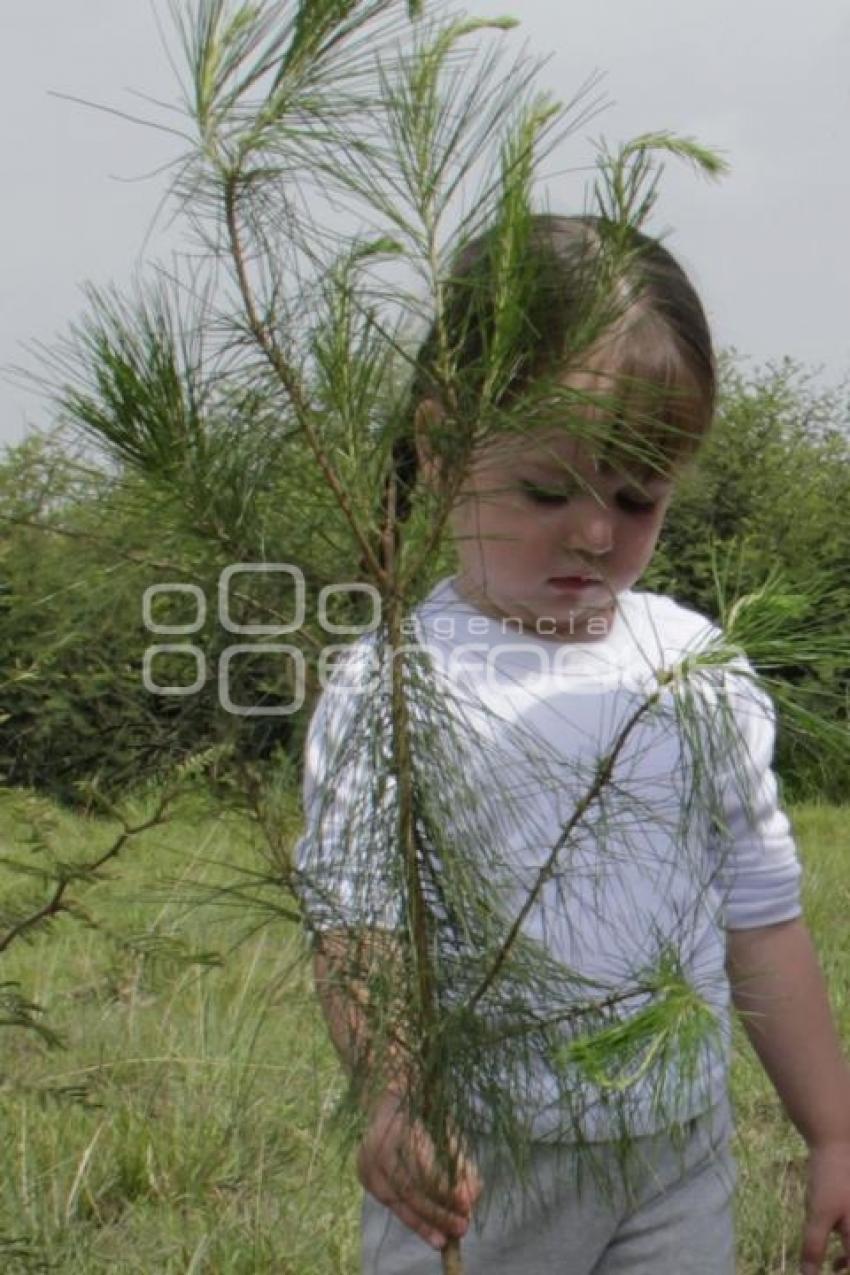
(452, 1260)
(425, 1007)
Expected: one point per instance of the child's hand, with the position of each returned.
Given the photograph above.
(827, 1206)
(396, 1164)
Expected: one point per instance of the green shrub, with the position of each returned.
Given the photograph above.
(770, 491)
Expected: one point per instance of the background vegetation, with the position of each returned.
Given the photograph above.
(77, 551)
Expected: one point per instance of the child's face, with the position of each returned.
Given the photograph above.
(546, 536)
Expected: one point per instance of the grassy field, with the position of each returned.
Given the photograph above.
(186, 1123)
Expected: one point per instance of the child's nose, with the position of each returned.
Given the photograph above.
(590, 529)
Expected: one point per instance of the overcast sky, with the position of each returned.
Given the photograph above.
(765, 81)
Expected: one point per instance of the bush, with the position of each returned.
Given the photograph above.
(77, 550)
(770, 491)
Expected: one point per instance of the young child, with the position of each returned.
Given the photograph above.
(542, 625)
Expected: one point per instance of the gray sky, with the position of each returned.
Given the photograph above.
(765, 81)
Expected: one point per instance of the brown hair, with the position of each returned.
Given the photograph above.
(637, 328)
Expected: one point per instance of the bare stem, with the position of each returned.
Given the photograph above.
(402, 762)
(452, 1259)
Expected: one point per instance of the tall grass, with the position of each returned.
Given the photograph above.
(771, 1155)
(182, 1127)
(186, 1125)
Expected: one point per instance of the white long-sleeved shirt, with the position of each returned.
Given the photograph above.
(685, 839)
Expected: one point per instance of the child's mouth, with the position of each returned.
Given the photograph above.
(572, 582)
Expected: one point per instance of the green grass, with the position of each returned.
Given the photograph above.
(185, 1124)
(771, 1155)
(181, 1129)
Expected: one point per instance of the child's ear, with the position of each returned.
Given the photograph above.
(426, 421)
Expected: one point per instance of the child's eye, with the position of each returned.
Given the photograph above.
(543, 495)
(551, 497)
(634, 504)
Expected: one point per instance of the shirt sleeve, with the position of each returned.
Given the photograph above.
(341, 859)
(759, 870)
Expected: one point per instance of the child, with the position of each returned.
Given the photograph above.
(546, 644)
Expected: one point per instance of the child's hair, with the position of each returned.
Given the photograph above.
(593, 298)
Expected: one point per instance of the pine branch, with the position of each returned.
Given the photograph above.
(287, 375)
(604, 774)
(57, 902)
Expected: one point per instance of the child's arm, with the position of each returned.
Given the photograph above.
(395, 1161)
(778, 987)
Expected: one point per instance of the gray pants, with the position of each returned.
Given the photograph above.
(670, 1214)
